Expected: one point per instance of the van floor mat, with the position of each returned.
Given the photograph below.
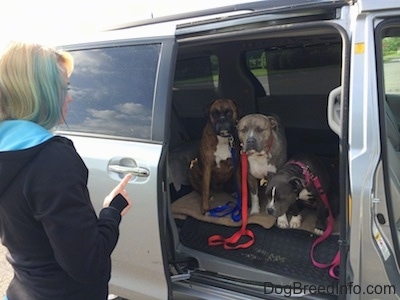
(281, 251)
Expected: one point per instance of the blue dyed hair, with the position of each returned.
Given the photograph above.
(33, 83)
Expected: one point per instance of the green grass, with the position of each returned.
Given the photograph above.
(390, 56)
(259, 72)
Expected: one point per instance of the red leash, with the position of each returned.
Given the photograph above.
(231, 242)
(336, 260)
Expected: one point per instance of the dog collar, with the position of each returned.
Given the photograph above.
(308, 175)
(270, 142)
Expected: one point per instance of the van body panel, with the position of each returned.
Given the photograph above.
(373, 258)
(137, 259)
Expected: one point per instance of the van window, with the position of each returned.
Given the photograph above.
(389, 83)
(113, 90)
(197, 73)
(295, 69)
(391, 62)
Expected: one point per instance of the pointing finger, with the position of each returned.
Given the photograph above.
(124, 182)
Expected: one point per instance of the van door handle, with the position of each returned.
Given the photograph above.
(136, 171)
(333, 112)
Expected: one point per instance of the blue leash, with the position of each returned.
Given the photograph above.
(230, 208)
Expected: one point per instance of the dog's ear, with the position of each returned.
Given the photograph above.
(276, 122)
(273, 121)
(238, 109)
(296, 184)
(206, 108)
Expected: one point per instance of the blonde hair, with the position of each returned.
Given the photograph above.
(32, 83)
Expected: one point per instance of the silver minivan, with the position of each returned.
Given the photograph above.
(330, 69)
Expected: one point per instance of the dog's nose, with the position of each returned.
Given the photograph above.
(251, 143)
(270, 210)
(223, 129)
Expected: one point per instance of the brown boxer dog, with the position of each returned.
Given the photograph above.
(214, 169)
(263, 139)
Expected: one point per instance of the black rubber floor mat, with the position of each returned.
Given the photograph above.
(282, 251)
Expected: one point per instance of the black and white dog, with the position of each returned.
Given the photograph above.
(299, 183)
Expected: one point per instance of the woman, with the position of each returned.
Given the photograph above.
(59, 248)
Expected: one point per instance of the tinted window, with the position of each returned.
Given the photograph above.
(112, 91)
(297, 69)
(197, 73)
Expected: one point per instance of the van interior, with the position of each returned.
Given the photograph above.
(285, 71)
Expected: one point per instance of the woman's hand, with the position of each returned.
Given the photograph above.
(120, 189)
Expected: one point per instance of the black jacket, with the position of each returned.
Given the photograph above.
(59, 248)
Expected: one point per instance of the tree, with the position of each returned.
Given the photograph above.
(390, 45)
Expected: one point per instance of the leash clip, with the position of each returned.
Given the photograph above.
(231, 142)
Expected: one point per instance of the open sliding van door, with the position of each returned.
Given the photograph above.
(374, 160)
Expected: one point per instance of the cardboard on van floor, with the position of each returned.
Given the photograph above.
(189, 205)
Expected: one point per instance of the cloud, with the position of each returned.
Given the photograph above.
(128, 119)
(132, 108)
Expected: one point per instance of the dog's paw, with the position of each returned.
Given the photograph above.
(295, 221)
(282, 221)
(192, 163)
(305, 195)
(318, 231)
(255, 210)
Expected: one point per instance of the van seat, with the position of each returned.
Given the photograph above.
(304, 118)
(191, 106)
(299, 111)
(178, 132)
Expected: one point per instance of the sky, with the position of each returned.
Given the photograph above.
(30, 20)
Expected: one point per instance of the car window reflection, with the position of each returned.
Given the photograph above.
(113, 91)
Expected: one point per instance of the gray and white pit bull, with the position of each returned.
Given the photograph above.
(263, 139)
(294, 186)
